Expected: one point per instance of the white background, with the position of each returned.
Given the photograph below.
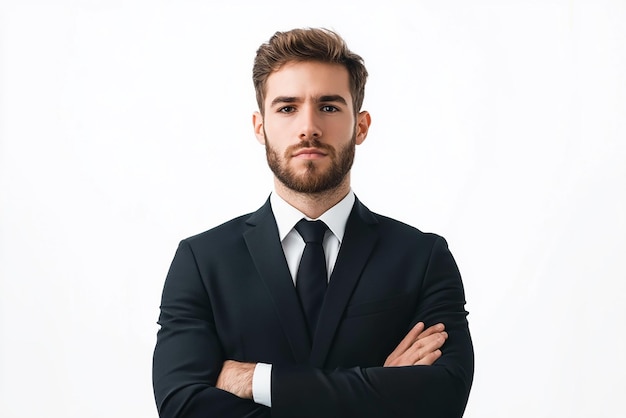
(125, 126)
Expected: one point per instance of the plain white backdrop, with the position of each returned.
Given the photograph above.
(125, 126)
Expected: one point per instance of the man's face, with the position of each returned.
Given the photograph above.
(309, 128)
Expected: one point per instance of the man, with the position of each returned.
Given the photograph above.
(248, 328)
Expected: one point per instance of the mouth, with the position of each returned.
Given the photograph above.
(309, 153)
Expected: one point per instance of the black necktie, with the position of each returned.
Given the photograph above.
(312, 278)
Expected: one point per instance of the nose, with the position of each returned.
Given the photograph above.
(309, 124)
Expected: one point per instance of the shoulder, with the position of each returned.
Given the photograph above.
(394, 229)
(223, 230)
(232, 230)
(218, 243)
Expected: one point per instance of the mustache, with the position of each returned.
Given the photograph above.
(310, 143)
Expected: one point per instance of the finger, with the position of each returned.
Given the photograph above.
(418, 350)
(429, 359)
(431, 330)
(407, 341)
(428, 345)
(431, 343)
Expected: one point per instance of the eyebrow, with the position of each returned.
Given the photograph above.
(320, 99)
(332, 98)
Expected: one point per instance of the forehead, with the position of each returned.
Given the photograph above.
(306, 79)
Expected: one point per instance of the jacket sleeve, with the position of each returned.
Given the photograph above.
(188, 356)
(440, 390)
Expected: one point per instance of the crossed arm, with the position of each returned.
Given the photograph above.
(420, 347)
(192, 379)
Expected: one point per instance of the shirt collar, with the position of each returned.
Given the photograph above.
(335, 218)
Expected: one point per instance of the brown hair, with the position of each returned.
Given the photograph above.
(311, 44)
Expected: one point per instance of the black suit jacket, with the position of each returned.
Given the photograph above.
(229, 295)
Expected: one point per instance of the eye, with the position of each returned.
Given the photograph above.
(287, 109)
(329, 109)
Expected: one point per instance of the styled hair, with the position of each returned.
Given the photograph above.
(310, 44)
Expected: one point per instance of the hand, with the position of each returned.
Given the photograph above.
(236, 378)
(419, 347)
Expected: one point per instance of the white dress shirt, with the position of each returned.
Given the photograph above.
(293, 245)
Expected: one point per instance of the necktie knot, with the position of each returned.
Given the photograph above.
(311, 231)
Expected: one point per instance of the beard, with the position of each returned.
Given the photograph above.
(315, 179)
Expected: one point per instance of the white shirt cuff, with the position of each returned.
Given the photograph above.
(262, 384)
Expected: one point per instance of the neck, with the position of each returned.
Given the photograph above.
(313, 205)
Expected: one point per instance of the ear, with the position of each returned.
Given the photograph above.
(363, 122)
(257, 122)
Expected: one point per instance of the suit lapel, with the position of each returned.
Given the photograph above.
(359, 240)
(264, 245)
